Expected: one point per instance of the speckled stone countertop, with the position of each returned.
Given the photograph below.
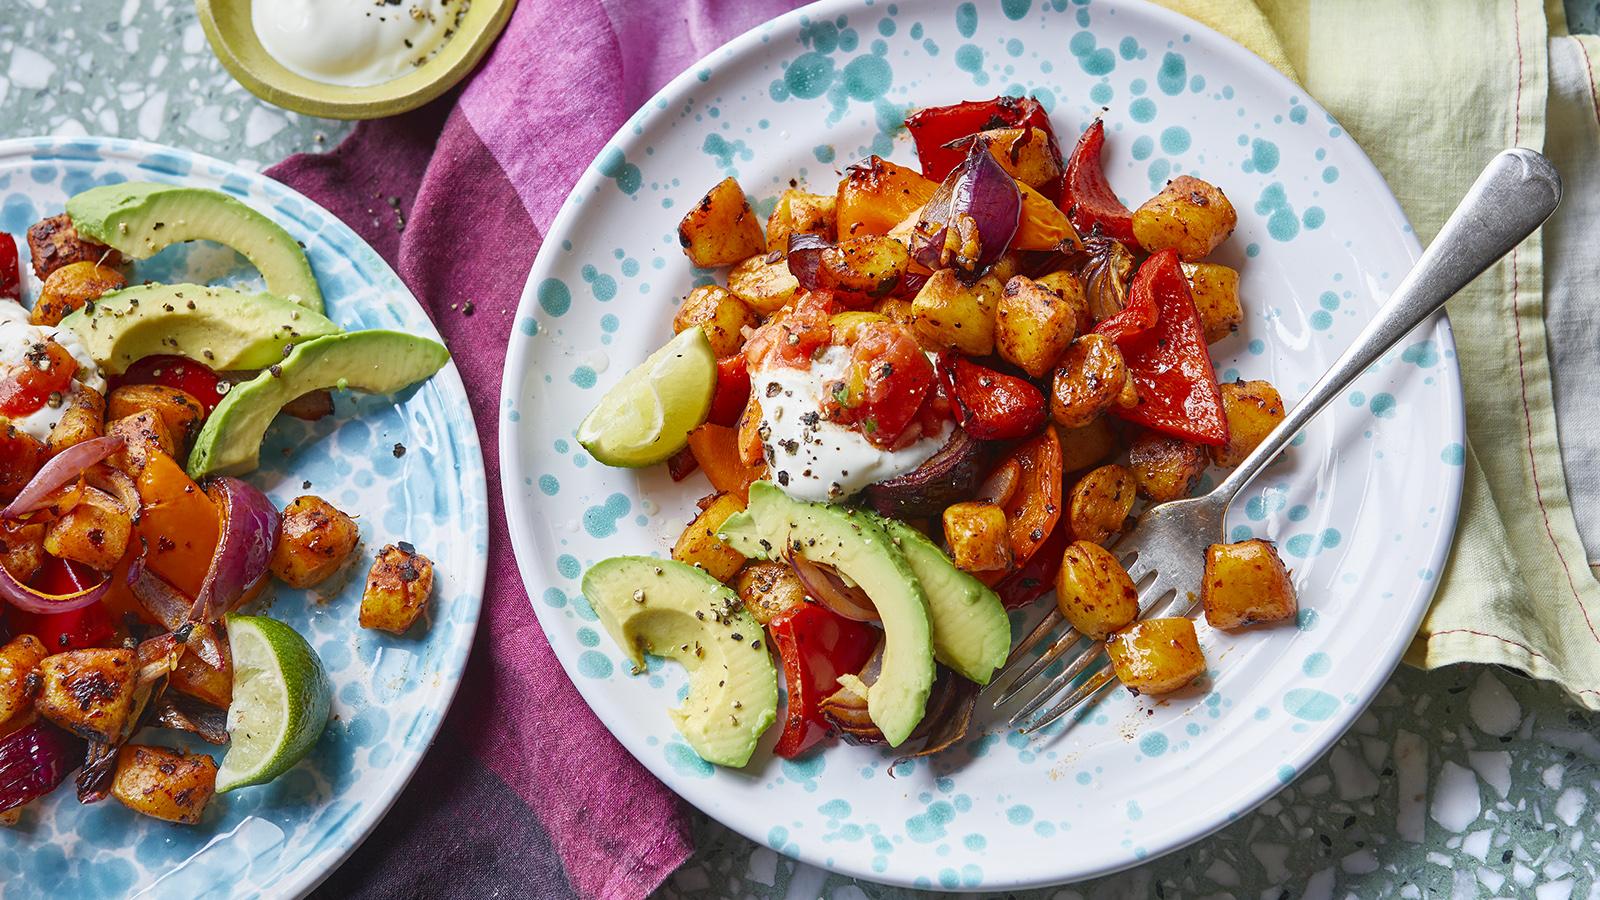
(1466, 782)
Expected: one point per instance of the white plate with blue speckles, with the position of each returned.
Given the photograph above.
(390, 693)
(1364, 506)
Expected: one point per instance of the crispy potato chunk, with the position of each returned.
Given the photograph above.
(722, 228)
(1156, 656)
(769, 589)
(951, 314)
(88, 692)
(1253, 409)
(143, 433)
(869, 265)
(764, 283)
(1246, 583)
(397, 589)
(720, 314)
(1026, 153)
(978, 537)
(1093, 591)
(314, 541)
(19, 663)
(699, 544)
(1100, 502)
(21, 455)
(84, 420)
(876, 195)
(70, 287)
(1215, 289)
(1087, 445)
(1033, 326)
(798, 212)
(1091, 377)
(21, 548)
(166, 784)
(1070, 288)
(54, 243)
(1189, 216)
(180, 412)
(95, 532)
(1166, 468)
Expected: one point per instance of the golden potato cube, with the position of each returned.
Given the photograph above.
(1215, 289)
(21, 548)
(1165, 467)
(1033, 326)
(180, 412)
(1100, 502)
(799, 212)
(1092, 376)
(870, 265)
(978, 537)
(143, 433)
(1253, 410)
(397, 589)
(721, 315)
(88, 692)
(1093, 591)
(699, 544)
(1027, 154)
(1246, 583)
(1070, 288)
(70, 287)
(315, 539)
(95, 532)
(1189, 216)
(952, 314)
(876, 195)
(84, 420)
(19, 661)
(166, 784)
(769, 589)
(764, 283)
(55, 242)
(1087, 445)
(721, 229)
(1156, 656)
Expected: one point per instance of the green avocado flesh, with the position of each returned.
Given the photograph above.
(862, 551)
(378, 362)
(220, 327)
(971, 632)
(142, 218)
(677, 611)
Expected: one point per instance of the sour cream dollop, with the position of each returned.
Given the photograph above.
(355, 43)
(811, 458)
(18, 337)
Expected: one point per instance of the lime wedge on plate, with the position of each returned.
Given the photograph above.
(647, 416)
(280, 703)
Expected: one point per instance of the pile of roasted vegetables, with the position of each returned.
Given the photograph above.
(116, 569)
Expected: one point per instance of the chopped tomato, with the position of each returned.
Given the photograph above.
(884, 387)
(1168, 363)
(89, 626)
(934, 129)
(991, 405)
(47, 369)
(816, 645)
(792, 335)
(732, 392)
(1034, 509)
(1087, 196)
(181, 372)
(10, 269)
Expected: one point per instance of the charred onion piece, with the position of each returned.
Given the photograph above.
(184, 713)
(949, 476)
(972, 217)
(34, 760)
(825, 586)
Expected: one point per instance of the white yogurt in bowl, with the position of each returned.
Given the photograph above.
(354, 43)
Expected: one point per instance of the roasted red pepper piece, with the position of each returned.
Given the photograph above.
(1033, 510)
(1169, 364)
(1137, 317)
(195, 379)
(991, 405)
(10, 269)
(936, 127)
(1037, 576)
(816, 645)
(732, 393)
(90, 626)
(1088, 198)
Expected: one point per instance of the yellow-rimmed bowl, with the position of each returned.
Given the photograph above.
(233, 38)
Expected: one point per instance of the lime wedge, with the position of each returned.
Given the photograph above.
(647, 416)
(280, 703)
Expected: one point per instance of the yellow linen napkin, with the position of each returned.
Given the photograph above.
(1432, 90)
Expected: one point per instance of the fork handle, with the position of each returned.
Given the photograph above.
(1512, 197)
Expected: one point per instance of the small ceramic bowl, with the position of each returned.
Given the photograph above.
(233, 38)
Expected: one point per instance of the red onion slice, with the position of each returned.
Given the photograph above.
(805, 259)
(826, 587)
(249, 530)
(119, 486)
(1000, 484)
(166, 603)
(34, 760)
(980, 189)
(61, 469)
(29, 600)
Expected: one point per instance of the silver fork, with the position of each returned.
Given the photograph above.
(1165, 552)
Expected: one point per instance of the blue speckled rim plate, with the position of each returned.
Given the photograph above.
(1363, 507)
(390, 693)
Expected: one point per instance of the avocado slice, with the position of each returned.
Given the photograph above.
(141, 218)
(674, 610)
(860, 550)
(223, 328)
(971, 632)
(378, 362)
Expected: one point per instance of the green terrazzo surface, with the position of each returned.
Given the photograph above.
(1460, 783)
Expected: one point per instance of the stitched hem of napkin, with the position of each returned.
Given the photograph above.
(1463, 645)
